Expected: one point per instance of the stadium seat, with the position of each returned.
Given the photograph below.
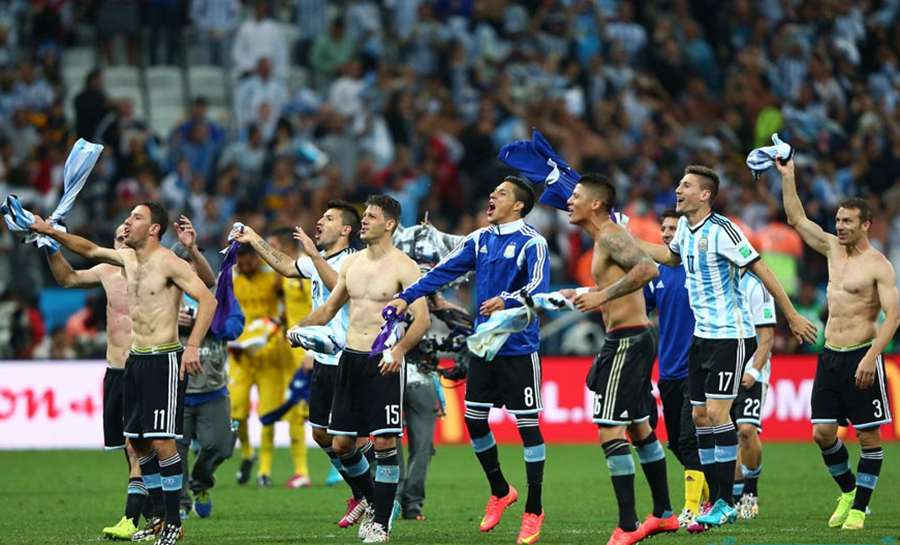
(126, 91)
(220, 114)
(165, 118)
(79, 56)
(122, 76)
(208, 81)
(165, 86)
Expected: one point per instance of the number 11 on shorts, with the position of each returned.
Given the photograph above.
(159, 419)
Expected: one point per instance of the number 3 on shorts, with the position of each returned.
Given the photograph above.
(879, 412)
(392, 414)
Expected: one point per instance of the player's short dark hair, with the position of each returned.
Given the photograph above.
(523, 193)
(855, 203)
(349, 215)
(669, 213)
(389, 205)
(601, 185)
(709, 179)
(283, 234)
(158, 215)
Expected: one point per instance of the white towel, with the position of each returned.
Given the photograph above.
(762, 159)
(490, 336)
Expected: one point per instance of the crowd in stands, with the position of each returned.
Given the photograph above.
(415, 97)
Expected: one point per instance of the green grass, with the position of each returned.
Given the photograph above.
(66, 497)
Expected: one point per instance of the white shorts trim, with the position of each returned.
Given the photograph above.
(338, 432)
(869, 425)
(387, 431)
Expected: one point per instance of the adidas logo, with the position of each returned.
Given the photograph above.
(483, 250)
(624, 414)
(660, 285)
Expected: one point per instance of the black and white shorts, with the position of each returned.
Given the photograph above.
(365, 401)
(154, 395)
(620, 378)
(747, 408)
(835, 397)
(716, 366)
(113, 408)
(321, 394)
(513, 382)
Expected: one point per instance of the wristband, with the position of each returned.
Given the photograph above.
(753, 372)
(580, 291)
(387, 356)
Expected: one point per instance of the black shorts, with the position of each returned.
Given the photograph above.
(154, 396)
(513, 382)
(835, 397)
(365, 401)
(716, 366)
(620, 378)
(113, 408)
(321, 394)
(748, 406)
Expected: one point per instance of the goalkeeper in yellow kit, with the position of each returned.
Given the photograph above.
(262, 357)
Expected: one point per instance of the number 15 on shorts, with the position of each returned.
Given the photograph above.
(392, 414)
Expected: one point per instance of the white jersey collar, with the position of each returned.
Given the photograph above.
(508, 228)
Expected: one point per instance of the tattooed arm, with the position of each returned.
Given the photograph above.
(639, 269)
(279, 261)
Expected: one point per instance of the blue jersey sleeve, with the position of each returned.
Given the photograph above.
(538, 267)
(650, 297)
(455, 264)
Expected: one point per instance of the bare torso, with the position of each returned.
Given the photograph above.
(626, 311)
(153, 299)
(372, 282)
(853, 304)
(118, 319)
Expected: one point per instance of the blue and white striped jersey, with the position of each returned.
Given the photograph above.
(320, 293)
(762, 309)
(712, 252)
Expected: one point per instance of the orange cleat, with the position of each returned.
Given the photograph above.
(656, 525)
(530, 532)
(495, 508)
(621, 537)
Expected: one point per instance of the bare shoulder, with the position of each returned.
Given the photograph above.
(614, 237)
(171, 263)
(878, 264)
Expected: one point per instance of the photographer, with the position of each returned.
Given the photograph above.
(422, 404)
(207, 407)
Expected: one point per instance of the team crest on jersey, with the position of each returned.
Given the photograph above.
(703, 244)
(510, 251)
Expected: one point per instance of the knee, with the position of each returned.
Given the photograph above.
(824, 437)
(342, 445)
(746, 433)
(385, 442)
(700, 417)
(608, 433)
(869, 438)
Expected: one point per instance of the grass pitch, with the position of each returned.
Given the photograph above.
(55, 497)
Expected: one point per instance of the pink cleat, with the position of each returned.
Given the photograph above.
(355, 510)
(495, 508)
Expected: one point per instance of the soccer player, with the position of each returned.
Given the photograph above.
(338, 226)
(668, 295)
(752, 396)
(712, 250)
(259, 293)
(507, 256)
(118, 341)
(850, 381)
(368, 393)
(154, 385)
(620, 376)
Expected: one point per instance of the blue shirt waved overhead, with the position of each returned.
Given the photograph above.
(669, 297)
(506, 258)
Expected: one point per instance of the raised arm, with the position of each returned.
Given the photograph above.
(281, 262)
(187, 236)
(802, 328)
(68, 277)
(886, 284)
(185, 278)
(639, 269)
(328, 275)
(336, 299)
(809, 230)
(77, 244)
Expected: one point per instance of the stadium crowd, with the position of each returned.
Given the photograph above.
(414, 98)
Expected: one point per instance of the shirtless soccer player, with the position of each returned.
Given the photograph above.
(850, 381)
(620, 376)
(321, 263)
(154, 386)
(368, 395)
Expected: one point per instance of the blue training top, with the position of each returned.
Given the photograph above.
(668, 295)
